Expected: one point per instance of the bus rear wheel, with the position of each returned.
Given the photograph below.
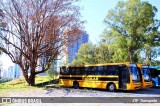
(111, 87)
(75, 85)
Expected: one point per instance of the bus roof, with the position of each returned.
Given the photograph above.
(122, 63)
(72, 66)
(125, 63)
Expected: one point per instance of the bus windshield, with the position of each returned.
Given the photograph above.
(146, 74)
(134, 73)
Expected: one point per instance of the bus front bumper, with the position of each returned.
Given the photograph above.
(134, 86)
(147, 85)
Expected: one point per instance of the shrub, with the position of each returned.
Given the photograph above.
(5, 80)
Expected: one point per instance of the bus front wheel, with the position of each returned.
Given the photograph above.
(111, 87)
(75, 85)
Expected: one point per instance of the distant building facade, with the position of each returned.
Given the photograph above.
(10, 72)
(0, 73)
(72, 48)
(13, 72)
(17, 71)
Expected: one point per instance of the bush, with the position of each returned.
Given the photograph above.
(52, 74)
(5, 80)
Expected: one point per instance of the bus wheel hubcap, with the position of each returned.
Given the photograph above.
(111, 87)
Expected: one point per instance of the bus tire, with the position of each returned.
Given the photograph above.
(111, 87)
(75, 85)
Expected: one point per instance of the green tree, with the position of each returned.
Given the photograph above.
(103, 53)
(85, 55)
(52, 74)
(129, 23)
(93, 54)
(116, 45)
(152, 40)
(77, 62)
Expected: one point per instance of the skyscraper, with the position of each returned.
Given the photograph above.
(10, 73)
(74, 47)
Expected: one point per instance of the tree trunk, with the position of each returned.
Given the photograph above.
(32, 77)
(31, 80)
(25, 74)
(130, 56)
(150, 59)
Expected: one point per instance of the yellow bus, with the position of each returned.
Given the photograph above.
(145, 75)
(110, 76)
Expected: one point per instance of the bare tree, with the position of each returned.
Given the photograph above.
(36, 31)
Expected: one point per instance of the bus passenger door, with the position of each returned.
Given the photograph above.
(123, 78)
(140, 71)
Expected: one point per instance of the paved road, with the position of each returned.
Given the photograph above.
(71, 92)
(100, 94)
(85, 92)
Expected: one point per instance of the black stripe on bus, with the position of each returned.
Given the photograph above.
(75, 78)
(99, 79)
(108, 79)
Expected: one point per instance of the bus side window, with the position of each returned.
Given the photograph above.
(62, 69)
(109, 70)
(86, 71)
(73, 71)
(91, 70)
(78, 70)
(81, 70)
(116, 70)
(112, 70)
(94, 70)
(69, 70)
(100, 70)
(104, 70)
(65, 71)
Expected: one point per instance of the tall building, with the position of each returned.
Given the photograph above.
(10, 73)
(13, 72)
(0, 69)
(74, 47)
(17, 71)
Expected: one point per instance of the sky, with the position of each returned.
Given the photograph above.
(94, 12)
(6, 61)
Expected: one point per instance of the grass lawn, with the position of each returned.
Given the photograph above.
(21, 85)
